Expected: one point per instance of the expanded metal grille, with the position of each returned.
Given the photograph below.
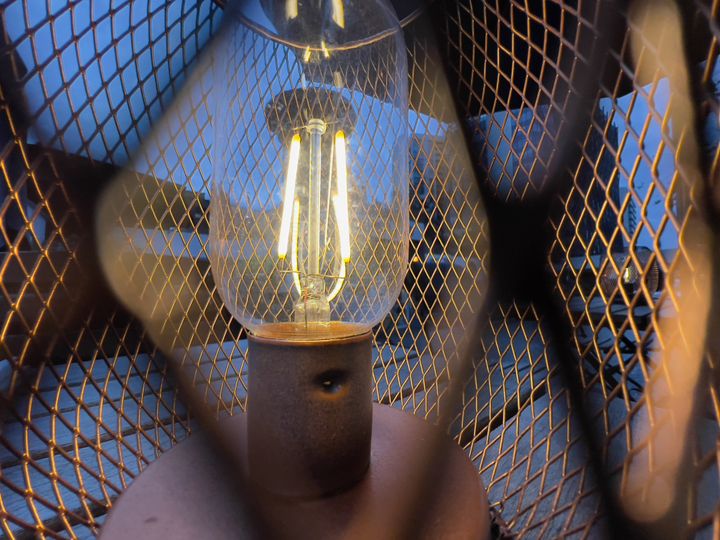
(97, 94)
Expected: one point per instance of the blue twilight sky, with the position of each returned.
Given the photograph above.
(99, 98)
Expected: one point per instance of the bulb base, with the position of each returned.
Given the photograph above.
(309, 414)
(288, 112)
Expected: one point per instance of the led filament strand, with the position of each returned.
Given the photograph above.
(338, 12)
(293, 254)
(291, 214)
(341, 202)
(341, 275)
(289, 196)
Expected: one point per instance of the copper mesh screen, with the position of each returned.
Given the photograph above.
(87, 399)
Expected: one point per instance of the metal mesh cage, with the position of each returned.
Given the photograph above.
(599, 117)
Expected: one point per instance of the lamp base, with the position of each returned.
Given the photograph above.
(185, 494)
(309, 413)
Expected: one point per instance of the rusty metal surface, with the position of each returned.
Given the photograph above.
(309, 414)
(87, 400)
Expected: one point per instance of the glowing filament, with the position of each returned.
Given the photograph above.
(338, 13)
(289, 196)
(294, 252)
(340, 200)
(338, 284)
(291, 214)
(342, 274)
(291, 8)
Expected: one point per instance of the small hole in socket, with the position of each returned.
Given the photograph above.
(331, 381)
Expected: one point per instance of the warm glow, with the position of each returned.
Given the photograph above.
(338, 13)
(289, 196)
(309, 229)
(338, 284)
(341, 276)
(294, 252)
(340, 200)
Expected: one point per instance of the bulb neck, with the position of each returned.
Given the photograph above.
(316, 126)
(313, 306)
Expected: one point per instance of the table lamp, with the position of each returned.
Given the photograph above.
(309, 224)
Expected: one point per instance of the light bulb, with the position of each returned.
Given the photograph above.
(309, 206)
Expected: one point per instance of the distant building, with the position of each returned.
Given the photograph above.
(426, 220)
(629, 217)
(443, 194)
(597, 178)
(515, 149)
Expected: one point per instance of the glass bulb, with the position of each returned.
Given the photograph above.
(309, 208)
